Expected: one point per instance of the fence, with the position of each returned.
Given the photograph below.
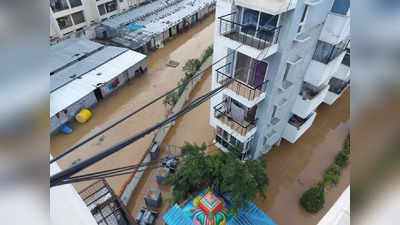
(105, 206)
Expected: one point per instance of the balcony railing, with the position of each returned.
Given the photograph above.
(105, 206)
(297, 121)
(239, 87)
(326, 52)
(242, 127)
(248, 34)
(337, 85)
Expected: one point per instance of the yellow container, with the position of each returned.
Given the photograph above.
(83, 116)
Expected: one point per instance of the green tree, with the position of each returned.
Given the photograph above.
(242, 181)
(313, 199)
(191, 67)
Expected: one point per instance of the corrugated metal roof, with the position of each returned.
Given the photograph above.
(69, 50)
(80, 68)
(76, 89)
(158, 16)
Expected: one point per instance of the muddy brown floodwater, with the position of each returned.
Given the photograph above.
(292, 168)
(193, 128)
(157, 80)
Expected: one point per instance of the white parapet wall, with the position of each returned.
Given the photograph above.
(318, 73)
(336, 28)
(293, 133)
(304, 107)
(66, 206)
(339, 213)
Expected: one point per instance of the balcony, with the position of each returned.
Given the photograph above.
(309, 99)
(337, 87)
(235, 118)
(336, 28)
(325, 62)
(297, 127)
(248, 94)
(226, 142)
(257, 40)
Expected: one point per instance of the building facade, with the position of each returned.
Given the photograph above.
(75, 16)
(285, 59)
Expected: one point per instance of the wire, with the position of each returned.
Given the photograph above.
(136, 111)
(59, 177)
(117, 171)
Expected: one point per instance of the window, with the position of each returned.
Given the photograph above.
(303, 20)
(111, 6)
(107, 7)
(341, 6)
(259, 24)
(78, 17)
(274, 111)
(102, 9)
(64, 22)
(58, 5)
(285, 75)
(250, 19)
(303, 17)
(75, 3)
(267, 26)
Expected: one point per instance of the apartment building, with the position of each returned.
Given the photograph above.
(68, 16)
(285, 59)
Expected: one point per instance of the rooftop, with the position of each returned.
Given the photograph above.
(157, 16)
(78, 77)
(70, 50)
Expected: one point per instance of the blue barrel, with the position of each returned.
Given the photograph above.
(66, 129)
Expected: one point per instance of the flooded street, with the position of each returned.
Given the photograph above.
(194, 127)
(293, 168)
(157, 80)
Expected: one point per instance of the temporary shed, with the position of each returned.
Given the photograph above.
(84, 72)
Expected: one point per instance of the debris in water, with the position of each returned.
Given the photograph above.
(172, 63)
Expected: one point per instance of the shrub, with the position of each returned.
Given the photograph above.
(171, 99)
(191, 67)
(331, 175)
(346, 149)
(207, 53)
(313, 199)
(342, 159)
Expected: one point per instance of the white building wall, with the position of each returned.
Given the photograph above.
(91, 14)
(220, 51)
(293, 133)
(66, 206)
(336, 28)
(318, 73)
(303, 107)
(339, 213)
(85, 103)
